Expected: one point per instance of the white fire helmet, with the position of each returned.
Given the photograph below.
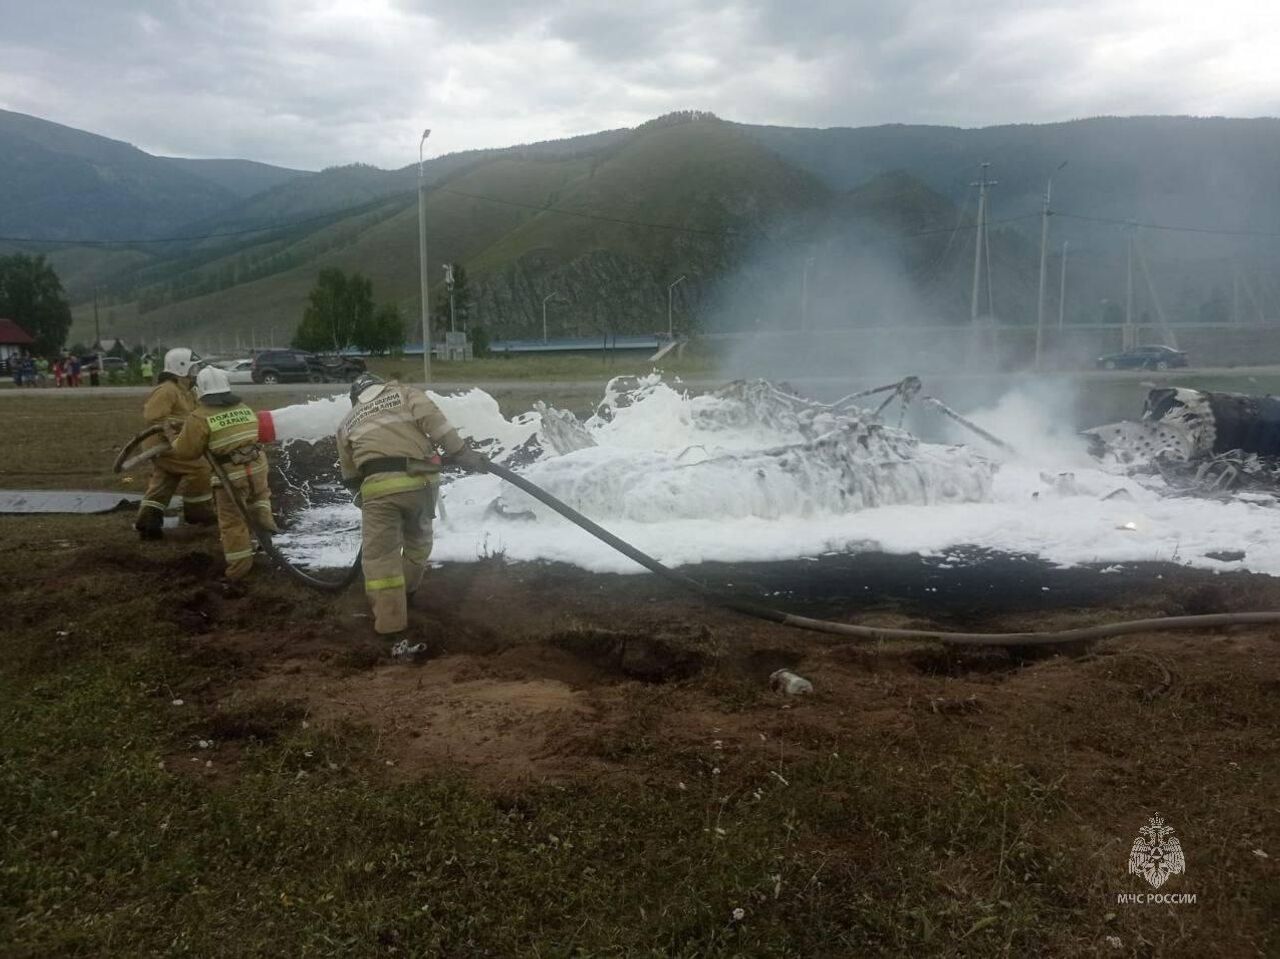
(180, 361)
(212, 380)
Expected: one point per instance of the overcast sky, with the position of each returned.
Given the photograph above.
(312, 84)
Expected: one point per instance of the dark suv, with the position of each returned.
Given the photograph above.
(299, 366)
(286, 366)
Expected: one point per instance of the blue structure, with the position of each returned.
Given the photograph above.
(647, 342)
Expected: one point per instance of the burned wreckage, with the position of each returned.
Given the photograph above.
(1198, 442)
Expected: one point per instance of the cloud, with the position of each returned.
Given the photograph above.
(309, 83)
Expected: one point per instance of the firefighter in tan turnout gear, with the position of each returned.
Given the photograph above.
(387, 449)
(168, 405)
(225, 427)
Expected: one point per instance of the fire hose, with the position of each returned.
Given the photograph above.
(128, 459)
(880, 633)
(1050, 638)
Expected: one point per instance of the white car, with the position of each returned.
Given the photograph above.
(238, 371)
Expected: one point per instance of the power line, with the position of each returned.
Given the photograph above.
(1167, 227)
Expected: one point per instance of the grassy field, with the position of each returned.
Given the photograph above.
(593, 766)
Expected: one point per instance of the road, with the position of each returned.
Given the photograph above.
(1257, 379)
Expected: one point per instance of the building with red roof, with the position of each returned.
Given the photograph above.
(13, 340)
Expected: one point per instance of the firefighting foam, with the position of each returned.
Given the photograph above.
(752, 473)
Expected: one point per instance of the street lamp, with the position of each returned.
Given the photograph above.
(670, 289)
(422, 263)
(549, 296)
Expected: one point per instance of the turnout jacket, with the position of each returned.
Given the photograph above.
(399, 423)
(168, 404)
(229, 433)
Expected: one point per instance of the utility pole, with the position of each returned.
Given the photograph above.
(1235, 295)
(982, 184)
(544, 313)
(670, 290)
(1128, 341)
(1044, 253)
(422, 264)
(1166, 331)
(1062, 287)
(804, 294)
(448, 282)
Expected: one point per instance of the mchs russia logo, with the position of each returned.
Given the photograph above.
(1155, 856)
(1156, 853)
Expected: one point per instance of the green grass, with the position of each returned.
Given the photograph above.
(114, 844)
(933, 837)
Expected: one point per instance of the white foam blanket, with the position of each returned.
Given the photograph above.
(750, 474)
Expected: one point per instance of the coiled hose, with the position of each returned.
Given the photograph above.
(270, 548)
(127, 460)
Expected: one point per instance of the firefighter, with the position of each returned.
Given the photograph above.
(387, 449)
(227, 429)
(168, 405)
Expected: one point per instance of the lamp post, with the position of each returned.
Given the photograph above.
(670, 290)
(422, 263)
(550, 296)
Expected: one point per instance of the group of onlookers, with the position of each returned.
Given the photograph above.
(28, 370)
(65, 370)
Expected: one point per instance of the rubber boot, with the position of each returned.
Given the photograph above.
(200, 514)
(150, 525)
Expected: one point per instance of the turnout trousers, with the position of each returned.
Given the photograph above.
(396, 530)
(167, 474)
(237, 540)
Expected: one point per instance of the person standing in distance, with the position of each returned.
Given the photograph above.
(387, 449)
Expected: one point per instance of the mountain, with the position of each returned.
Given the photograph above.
(867, 226)
(602, 227)
(244, 178)
(1210, 172)
(58, 183)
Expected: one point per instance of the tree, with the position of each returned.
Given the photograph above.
(384, 333)
(337, 306)
(31, 295)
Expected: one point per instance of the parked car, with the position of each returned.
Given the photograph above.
(110, 364)
(238, 371)
(1143, 358)
(341, 368)
(286, 366)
